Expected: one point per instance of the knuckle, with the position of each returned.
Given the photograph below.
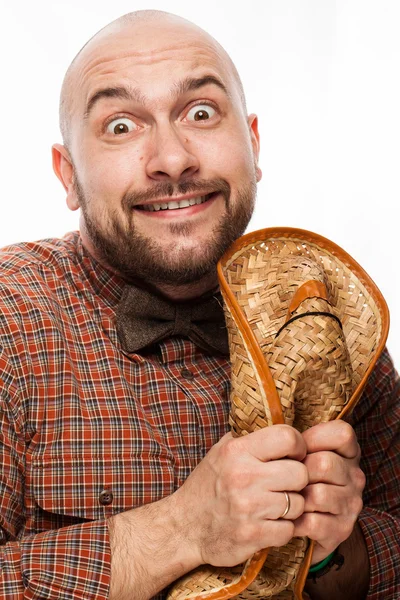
(230, 449)
(343, 530)
(359, 506)
(360, 479)
(347, 433)
(289, 437)
(355, 505)
(302, 476)
(240, 444)
(299, 473)
(358, 455)
(319, 494)
(325, 463)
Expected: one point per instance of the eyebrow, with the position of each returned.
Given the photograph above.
(192, 83)
(113, 92)
(186, 85)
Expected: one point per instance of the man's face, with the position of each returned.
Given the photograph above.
(164, 157)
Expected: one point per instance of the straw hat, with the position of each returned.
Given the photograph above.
(306, 325)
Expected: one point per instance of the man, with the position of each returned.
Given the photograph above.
(117, 476)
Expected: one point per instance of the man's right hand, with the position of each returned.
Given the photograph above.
(231, 504)
(229, 507)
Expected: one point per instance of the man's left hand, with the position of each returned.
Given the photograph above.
(333, 497)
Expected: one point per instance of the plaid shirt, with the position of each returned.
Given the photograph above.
(87, 430)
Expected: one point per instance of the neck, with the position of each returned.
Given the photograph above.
(175, 293)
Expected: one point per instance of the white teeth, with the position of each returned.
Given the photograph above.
(173, 205)
(184, 203)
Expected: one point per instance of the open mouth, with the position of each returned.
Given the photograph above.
(175, 204)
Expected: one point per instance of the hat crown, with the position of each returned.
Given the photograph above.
(264, 274)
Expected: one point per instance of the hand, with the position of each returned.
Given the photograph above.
(230, 505)
(333, 496)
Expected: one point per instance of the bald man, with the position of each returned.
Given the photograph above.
(118, 474)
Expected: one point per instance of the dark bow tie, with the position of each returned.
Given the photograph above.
(143, 319)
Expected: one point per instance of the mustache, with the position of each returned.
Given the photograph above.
(164, 189)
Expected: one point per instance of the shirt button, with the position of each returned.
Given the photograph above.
(106, 497)
(186, 374)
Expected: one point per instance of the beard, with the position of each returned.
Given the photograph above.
(135, 256)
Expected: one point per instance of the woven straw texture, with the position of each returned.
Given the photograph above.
(316, 361)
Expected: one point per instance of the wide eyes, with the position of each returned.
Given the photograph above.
(200, 112)
(121, 126)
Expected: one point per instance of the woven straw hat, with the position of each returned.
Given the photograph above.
(306, 325)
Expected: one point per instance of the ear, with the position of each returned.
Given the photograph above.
(63, 168)
(252, 121)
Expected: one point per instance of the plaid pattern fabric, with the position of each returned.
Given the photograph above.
(376, 420)
(87, 431)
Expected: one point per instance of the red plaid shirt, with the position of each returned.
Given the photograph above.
(87, 430)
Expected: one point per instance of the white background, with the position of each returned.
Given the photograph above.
(323, 76)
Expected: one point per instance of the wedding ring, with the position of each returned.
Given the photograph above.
(285, 512)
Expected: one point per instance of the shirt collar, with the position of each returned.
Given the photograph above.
(106, 284)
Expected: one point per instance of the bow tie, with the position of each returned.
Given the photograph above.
(142, 319)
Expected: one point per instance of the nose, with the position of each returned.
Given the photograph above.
(171, 156)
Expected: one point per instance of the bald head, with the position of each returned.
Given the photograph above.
(143, 24)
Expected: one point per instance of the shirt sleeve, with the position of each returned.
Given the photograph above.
(376, 421)
(70, 562)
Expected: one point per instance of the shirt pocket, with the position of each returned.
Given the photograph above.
(87, 487)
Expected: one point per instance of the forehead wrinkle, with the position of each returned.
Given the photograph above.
(146, 56)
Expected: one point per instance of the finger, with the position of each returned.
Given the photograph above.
(337, 436)
(326, 529)
(292, 506)
(271, 443)
(273, 506)
(324, 498)
(283, 475)
(327, 467)
(275, 533)
(316, 526)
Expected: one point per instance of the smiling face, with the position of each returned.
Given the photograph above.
(162, 159)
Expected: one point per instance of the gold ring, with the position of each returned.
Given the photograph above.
(285, 512)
